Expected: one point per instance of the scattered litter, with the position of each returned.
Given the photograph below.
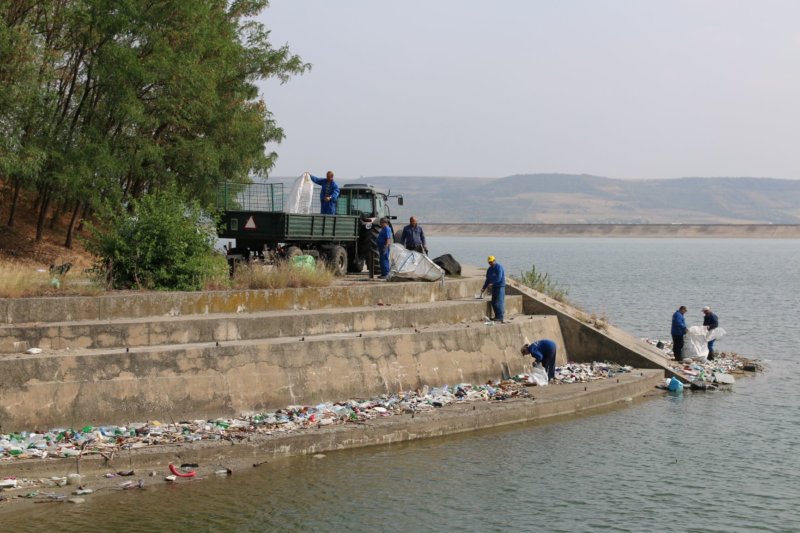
(76, 500)
(33, 351)
(176, 472)
(171, 478)
(81, 492)
(8, 483)
(224, 472)
(707, 374)
(92, 440)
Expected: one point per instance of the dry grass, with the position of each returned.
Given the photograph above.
(280, 276)
(21, 279)
(596, 321)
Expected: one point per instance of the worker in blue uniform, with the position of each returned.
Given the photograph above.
(496, 279)
(711, 321)
(544, 351)
(384, 240)
(678, 331)
(414, 237)
(328, 195)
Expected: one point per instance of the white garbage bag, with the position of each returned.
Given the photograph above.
(539, 375)
(301, 195)
(715, 334)
(407, 264)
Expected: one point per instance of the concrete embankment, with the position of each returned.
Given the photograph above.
(133, 358)
(545, 403)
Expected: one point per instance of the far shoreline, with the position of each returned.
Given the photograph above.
(734, 231)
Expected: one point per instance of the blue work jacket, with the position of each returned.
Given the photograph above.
(383, 237)
(711, 321)
(328, 188)
(495, 275)
(541, 349)
(413, 236)
(678, 324)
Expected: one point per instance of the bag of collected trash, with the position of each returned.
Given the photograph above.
(695, 344)
(714, 334)
(407, 264)
(304, 261)
(539, 375)
(448, 263)
(301, 195)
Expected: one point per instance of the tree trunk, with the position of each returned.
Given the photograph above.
(84, 216)
(14, 200)
(57, 212)
(71, 228)
(42, 216)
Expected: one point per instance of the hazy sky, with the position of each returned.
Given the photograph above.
(618, 88)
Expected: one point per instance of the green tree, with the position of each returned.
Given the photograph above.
(120, 98)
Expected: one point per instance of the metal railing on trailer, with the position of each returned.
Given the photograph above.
(262, 197)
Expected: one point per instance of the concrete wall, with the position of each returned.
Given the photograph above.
(586, 342)
(207, 381)
(154, 304)
(123, 333)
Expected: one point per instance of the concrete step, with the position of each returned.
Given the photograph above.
(205, 379)
(121, 333)
(349, 292)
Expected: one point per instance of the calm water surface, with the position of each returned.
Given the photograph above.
(724, 461)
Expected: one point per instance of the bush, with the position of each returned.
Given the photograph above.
(162, 242)
(541, 282)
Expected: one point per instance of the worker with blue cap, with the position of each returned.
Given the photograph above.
(496, 279)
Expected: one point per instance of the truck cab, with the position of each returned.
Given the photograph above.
(365, 201)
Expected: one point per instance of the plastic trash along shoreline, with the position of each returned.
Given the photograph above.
(105, 440)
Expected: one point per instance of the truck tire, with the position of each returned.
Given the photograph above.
(356, 265)
(338, 260)
(375, 267)
(293, 251)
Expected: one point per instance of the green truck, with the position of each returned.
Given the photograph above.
(253, 215)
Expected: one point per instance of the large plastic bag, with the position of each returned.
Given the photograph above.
(539, 375)
(695, 345)
(715, 334)
(301, 195)
(407, 264)
(696, 341)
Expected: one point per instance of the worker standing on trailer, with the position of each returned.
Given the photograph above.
(328, 195)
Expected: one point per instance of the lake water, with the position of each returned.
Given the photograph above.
(720, 461)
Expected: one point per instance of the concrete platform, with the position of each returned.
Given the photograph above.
(222, 327)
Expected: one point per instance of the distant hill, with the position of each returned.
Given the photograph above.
(575, 199)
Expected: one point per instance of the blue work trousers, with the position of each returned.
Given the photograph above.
(385, 263)
(499, 301)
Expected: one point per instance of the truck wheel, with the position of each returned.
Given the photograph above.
(375, 267)
(356, 265)
(338, 260)
(293, 251)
